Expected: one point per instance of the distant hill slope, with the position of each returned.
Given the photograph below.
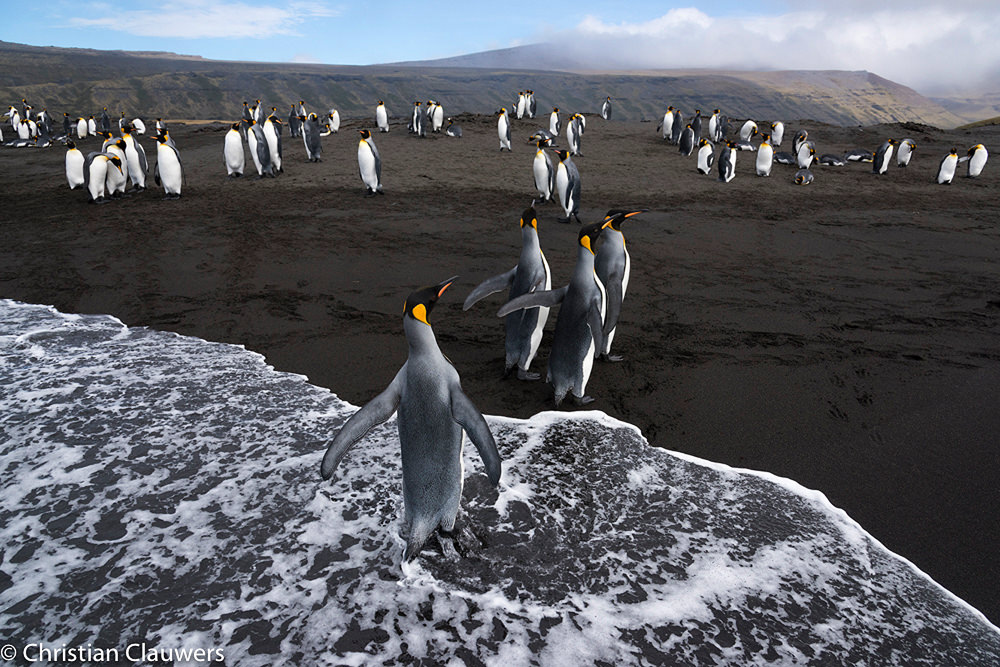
(82, 81)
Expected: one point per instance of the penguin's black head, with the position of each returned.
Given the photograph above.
(120, 144)
(670, 108)
(66, 114)
(365, 134)
(380, 102)
(162, 138)
(717, 111)
(115, 160)
(70, 145)
(419, 304)
(970, 151)
(563, 155)
(590, 233)
(235, 126)
(555, 109)
(529, 217)
(615, 217)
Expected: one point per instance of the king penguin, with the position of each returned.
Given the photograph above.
(579, 325)
(946, 170)
(503, 129)
(686, 144)
(727, 162)
(370, 164)
(613, 266)
(765, 157)
(135, 155)
(606, 109)
(530, 274)
(748, 131)
(544, 172)
(574, 134)
(696, 124)
(95, 173)
(977, 160)
(676, 127)
(117, 178)
(233, 152)
(433, 412)
(777, 133)
(311, 138)
(272, 134)
(905, 152)
(667, 124)
(74, 166)
(883, 156)
(568, 186)
(554, 123)
(382, 117)
(294, 123)
(169, 170)
(706, 156)
(259, 145)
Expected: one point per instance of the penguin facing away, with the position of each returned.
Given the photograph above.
(433, 412)
(727, 162)
(311, 138)
(883, 157)
(369, 164)
(568, 186)
(579, 325)
(531, 273)
(686, 144)
(613, 266)
(95, 173)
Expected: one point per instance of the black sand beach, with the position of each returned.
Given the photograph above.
(845, 335)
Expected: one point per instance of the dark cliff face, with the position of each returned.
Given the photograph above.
(80, 81)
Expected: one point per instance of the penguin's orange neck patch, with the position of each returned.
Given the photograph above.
(420, 313)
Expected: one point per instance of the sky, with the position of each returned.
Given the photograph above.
(931, 46)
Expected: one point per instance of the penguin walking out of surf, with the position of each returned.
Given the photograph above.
(613, 266)
(606, 109)
(311, 138)
(706, 156)
(432, 413)
(503, 129)
(233, 152)
(74, 166)
(568, 186)
(369, 164)
(382, 117)
(544, 172)
(727, 162)
(977, 156)
(905, 152)
(946, 170)
(883, 157)
(169, 171)
(531, 274)
(579, 325)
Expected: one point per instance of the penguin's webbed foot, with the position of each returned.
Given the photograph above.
(582, 400)
(565, 221)
(527, 376)
(612, 358)
(446, 543)
(369, 193)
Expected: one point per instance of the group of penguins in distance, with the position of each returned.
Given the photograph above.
(426, 393)
(687, 135)
(104, 173)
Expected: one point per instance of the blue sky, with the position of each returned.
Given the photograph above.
(915, 42)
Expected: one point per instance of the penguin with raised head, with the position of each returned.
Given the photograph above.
(503, 129)
(437, 118)
(272, 134)
(977, 160)
(676, 127)
(74, 166)
(555, 125)
(579, 326)
(666, 125)
(432, 413)
(568, 186)
(606, 109)
(530, 274)
(66, 125)
(369, 164)
(521, 106)
(233, 152)
(905, 152)
(302, 108)
(777, 133)
(311, 138)
(765, 157)
(706, 156)
(381, 117)
(883, 156)
(946, 170)
(169, 171)
(95, 174)
(713, 123)
(686, 144)
(613, 267)
(727, 162)
(544, 172)
(105, 122)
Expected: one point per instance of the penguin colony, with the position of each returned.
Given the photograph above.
(433, 412)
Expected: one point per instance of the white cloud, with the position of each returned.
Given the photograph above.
(197, 19)
(918, 44)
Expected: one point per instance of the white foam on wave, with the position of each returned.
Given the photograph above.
(171, 484)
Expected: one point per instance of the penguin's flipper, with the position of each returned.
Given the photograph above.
(613, 289)
(371, 415)
(596, 328)
(471, 419)
(540, 299)
(489, 286)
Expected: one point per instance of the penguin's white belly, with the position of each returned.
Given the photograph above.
(543, 316)
(977, 162)
(74, 168)
(541, 170)
(366, 162)
(764, 160)
(169, 168)
(235, 157)
(588, 360)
